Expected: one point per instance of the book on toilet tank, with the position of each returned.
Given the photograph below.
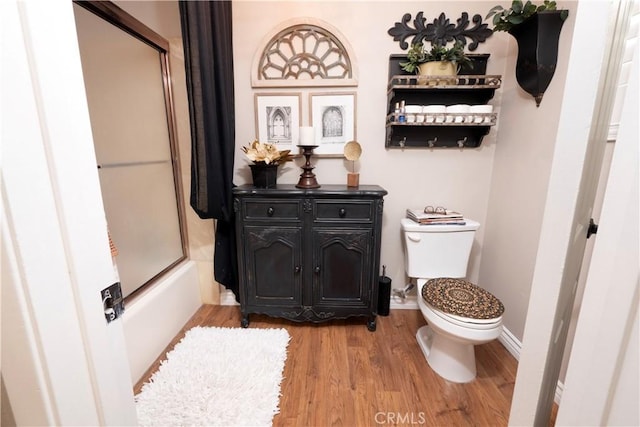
(441, 218)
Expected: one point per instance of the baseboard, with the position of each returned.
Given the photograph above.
(514, 346)
(510, 342)
(228, 298)
(409, 303)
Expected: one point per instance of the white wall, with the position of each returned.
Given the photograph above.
(414, 178)
(502, 184)
(526, 140)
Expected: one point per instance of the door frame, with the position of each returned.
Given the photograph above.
(604, 338)
(577, 160)
(55, 233)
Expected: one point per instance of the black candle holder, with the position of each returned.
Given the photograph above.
(307, 178)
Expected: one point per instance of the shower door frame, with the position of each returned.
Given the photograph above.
(119, 18)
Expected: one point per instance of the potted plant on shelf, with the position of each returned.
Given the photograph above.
(266, 158)
(537, 31)
(437, 61)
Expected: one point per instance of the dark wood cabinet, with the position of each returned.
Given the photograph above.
(309, 254)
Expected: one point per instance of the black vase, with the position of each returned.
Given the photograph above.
(537, 39)
(264, 175)
(477, 66)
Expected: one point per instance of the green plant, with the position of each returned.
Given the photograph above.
(418, 54)
(505, 19)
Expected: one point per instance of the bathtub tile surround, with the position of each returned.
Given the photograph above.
(164, 309)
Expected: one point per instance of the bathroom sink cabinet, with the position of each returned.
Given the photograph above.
(309, 254)
(472, 89)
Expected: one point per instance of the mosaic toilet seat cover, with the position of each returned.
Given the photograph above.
(461, 298)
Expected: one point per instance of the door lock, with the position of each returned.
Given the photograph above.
(593, 228)
(112, 302)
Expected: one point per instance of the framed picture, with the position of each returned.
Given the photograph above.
(333, 120)
(278, 119)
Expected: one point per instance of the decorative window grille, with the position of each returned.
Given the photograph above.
(304, 54)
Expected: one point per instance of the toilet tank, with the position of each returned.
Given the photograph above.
(437, 250)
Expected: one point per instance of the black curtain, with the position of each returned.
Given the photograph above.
(208, 55)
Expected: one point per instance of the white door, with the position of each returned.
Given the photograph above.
(577, 160)
(602, 384)
(62, 364)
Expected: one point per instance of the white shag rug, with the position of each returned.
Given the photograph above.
(217, 377)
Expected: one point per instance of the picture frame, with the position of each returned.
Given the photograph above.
(333, 119)
(278, 119)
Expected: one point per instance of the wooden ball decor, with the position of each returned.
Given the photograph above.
(352, 152)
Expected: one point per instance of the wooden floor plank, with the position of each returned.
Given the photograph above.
(340, 374)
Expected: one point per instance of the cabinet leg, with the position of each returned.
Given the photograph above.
(371, 324)
(245, 321)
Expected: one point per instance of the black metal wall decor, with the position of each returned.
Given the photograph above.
(537, 39)
(441, 31)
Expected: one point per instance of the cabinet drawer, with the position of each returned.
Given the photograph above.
(271, 209)
(344, 211)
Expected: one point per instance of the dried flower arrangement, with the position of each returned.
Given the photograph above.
(267, 153)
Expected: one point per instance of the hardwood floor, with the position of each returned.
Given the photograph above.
(338, 373)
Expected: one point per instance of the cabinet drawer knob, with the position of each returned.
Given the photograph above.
(317, 269)
(342, 212)
(270, 211)
(297, 269)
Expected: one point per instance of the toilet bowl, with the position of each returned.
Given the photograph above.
(448, 339)
(459, 314)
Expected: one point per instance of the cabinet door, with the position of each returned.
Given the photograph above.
(342, 267)
(273, 266)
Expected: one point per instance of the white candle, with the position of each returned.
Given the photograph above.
(306, 135)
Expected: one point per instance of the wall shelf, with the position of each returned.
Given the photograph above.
(438, 130)
(440, 119)
(447, 90)
(404, 136)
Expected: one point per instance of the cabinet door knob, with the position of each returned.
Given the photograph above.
(270, 211)
(317, 269)
(297, 269)
(342, 212)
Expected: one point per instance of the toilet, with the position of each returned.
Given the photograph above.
(459, 314)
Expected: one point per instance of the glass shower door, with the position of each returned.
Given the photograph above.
(125, 78)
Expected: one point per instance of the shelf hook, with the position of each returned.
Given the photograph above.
(432, 142)
(462, 141)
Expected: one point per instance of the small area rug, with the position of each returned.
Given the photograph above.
(217, 377)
